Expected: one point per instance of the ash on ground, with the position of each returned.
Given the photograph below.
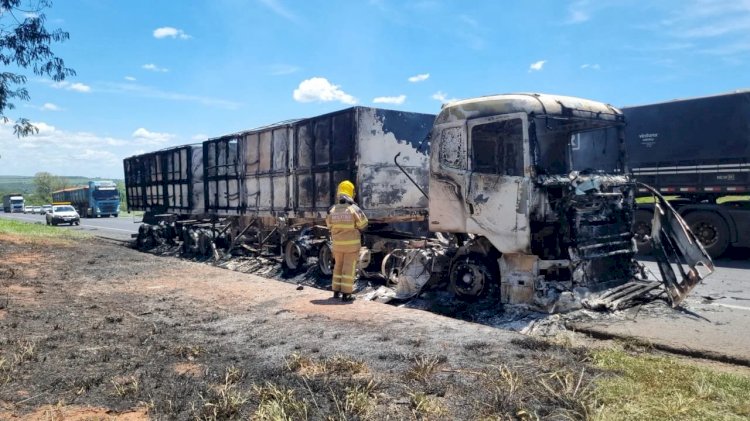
(487, 311)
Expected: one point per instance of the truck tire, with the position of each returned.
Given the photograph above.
(711, 230)
(642, 231)
(471, 277)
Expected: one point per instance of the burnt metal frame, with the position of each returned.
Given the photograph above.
(272, 171)
(330, 167)
(169, 179)
(212, 203)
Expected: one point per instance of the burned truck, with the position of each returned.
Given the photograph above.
(268, 190)
(523, 194)
(534, 190)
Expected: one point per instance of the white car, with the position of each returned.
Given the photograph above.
(36, 209)
(63, 214)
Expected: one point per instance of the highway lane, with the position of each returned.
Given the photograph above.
(116, 228)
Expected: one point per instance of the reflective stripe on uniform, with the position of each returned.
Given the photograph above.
(345, 242)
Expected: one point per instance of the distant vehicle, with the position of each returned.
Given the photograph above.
(36, 209)
(98, 198)
(13, 203)
(27, 209)
(62, 214)
(697, 150)
(46, 208)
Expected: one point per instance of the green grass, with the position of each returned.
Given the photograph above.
(659, 388)
(38, 230)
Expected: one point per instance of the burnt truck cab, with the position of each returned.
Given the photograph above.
(535, 189)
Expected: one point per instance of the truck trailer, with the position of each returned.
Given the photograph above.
(526, 195)
(94, 200)
(13, 202)
(697, 152)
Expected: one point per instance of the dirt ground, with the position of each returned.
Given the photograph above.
(92, 330)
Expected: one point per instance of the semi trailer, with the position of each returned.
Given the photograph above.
(13, 203)
(95, 199)
(697, 152)
(525, 195)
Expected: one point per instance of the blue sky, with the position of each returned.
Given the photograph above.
(154, 74)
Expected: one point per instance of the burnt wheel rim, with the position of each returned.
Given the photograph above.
(469, 279)
(325, 261)
(293, 255)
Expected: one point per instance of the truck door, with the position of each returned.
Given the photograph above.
(497, 199)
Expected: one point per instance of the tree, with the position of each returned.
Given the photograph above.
(25, 44)
(46, 183)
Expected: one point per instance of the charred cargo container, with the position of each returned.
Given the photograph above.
(166, 181)
(698, 150)
(291, 169)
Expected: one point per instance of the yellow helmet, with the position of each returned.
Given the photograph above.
(346, 187)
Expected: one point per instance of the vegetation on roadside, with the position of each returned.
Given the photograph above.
(37, 230)
(646, 386)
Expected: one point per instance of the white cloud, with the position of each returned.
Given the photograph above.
(389, 99)
(154, 68)
(78, 86)
(150, 137)
(537, 66)
(170, 32)
(145, 91)
(278, 8)
(48, 106)
(579, 11)
(442, 97)
(419, 78)
(130, 78)
(199, 137)
(321, 90)
(282, 69)
(591, 66)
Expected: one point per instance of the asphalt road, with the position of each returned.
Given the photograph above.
(116, 228)
(714, 321)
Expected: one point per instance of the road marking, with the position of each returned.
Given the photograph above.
(732, 306)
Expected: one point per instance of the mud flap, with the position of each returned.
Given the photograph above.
(676, 246)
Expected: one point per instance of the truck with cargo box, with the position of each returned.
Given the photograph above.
(13, 202)
(166, 181)
(291, 169)
(699, 151)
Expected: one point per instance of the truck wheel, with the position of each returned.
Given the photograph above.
(642, 231)
(325, 260)
(711, 230)
(293, 256)
(471, 277)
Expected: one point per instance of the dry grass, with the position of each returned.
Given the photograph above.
(224, 401)
(279, 404)
(335, 365)
(127, 386)
(423, 367)
(426, 407)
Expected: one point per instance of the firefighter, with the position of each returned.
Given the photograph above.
(345, 220)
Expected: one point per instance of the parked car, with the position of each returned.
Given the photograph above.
(62, 214)
(46, 208)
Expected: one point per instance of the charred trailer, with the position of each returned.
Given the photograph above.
(279, 181)
(697, 151)
(166, 185)
(535, 191)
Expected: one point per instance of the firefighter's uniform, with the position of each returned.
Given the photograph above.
(345, 220)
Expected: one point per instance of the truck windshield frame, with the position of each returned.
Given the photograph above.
(553, 143)
(105, 194)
